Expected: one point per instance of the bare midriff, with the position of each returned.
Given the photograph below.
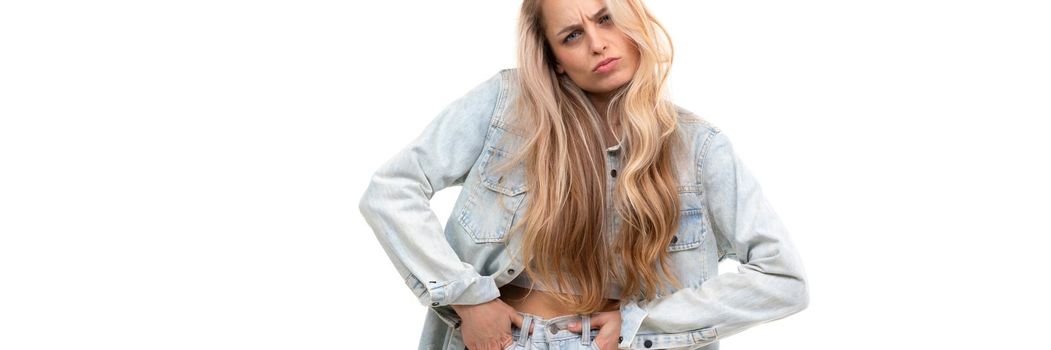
(541, 303)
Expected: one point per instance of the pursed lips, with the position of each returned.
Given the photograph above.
(604, 62)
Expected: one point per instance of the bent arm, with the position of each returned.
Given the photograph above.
(769, 284)
(396, 204)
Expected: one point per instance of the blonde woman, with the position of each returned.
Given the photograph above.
(594, 212)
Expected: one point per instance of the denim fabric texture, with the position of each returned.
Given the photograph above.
(538, 333)
(724, 214)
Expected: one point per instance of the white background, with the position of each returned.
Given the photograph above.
(185, 175)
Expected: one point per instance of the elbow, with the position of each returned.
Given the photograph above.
(801, 296)
(363, 205)
(365, 202)
(793, 295)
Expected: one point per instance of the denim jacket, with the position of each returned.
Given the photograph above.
(723, 215)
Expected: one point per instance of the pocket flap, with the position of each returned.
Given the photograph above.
(509, 180)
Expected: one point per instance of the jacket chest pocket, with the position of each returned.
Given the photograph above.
(691, 230)
(494, 199)
(689, 250)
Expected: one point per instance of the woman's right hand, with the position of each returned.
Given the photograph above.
(487, 326)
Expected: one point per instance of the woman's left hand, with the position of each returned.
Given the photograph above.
(608, 323)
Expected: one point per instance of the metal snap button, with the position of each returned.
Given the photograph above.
(613, 172)
(675, 239)
(553, 328)
(511, 271)
(500, 179)
(434, 304)
(648, 344)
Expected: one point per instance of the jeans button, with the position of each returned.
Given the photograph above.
(648, 344)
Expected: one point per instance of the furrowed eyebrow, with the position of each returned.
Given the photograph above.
(594, 17)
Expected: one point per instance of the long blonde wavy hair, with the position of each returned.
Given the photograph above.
(563, 245)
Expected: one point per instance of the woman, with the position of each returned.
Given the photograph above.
(594, 212)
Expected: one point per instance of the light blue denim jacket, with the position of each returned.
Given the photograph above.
(723, 215)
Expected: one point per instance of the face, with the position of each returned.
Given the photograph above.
(582, 35)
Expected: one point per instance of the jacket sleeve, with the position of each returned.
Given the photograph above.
(396, 204)
(769, 284)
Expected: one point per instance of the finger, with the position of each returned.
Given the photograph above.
(600, 318)
(516, 319)
(575, 326)
(500, 345)
(611, 332)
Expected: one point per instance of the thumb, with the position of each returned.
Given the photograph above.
(516, 319)
(597, 320)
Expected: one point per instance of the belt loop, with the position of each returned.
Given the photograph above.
(523, 333)
(585, 330)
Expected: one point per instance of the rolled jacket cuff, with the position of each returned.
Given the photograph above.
(469, 288)
(631, 316)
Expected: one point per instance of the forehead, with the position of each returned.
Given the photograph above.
(560, 13)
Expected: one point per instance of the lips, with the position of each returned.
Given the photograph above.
(604, 62)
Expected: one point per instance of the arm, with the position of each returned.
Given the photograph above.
(396, 204)
(770, 282)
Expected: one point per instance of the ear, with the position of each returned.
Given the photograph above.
(559, 69)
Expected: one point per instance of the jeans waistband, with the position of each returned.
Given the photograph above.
(553, 329)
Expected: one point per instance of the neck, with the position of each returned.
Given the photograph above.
(601, 102)
(609, 123)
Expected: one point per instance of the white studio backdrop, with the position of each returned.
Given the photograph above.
(185, 175)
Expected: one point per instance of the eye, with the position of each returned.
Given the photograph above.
(570, 36)
(605, 18)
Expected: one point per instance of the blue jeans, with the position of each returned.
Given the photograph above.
(553, 333)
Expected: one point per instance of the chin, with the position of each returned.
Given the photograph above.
(609, 83)
(612, 84)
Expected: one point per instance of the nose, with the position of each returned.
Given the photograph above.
(598, 44)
